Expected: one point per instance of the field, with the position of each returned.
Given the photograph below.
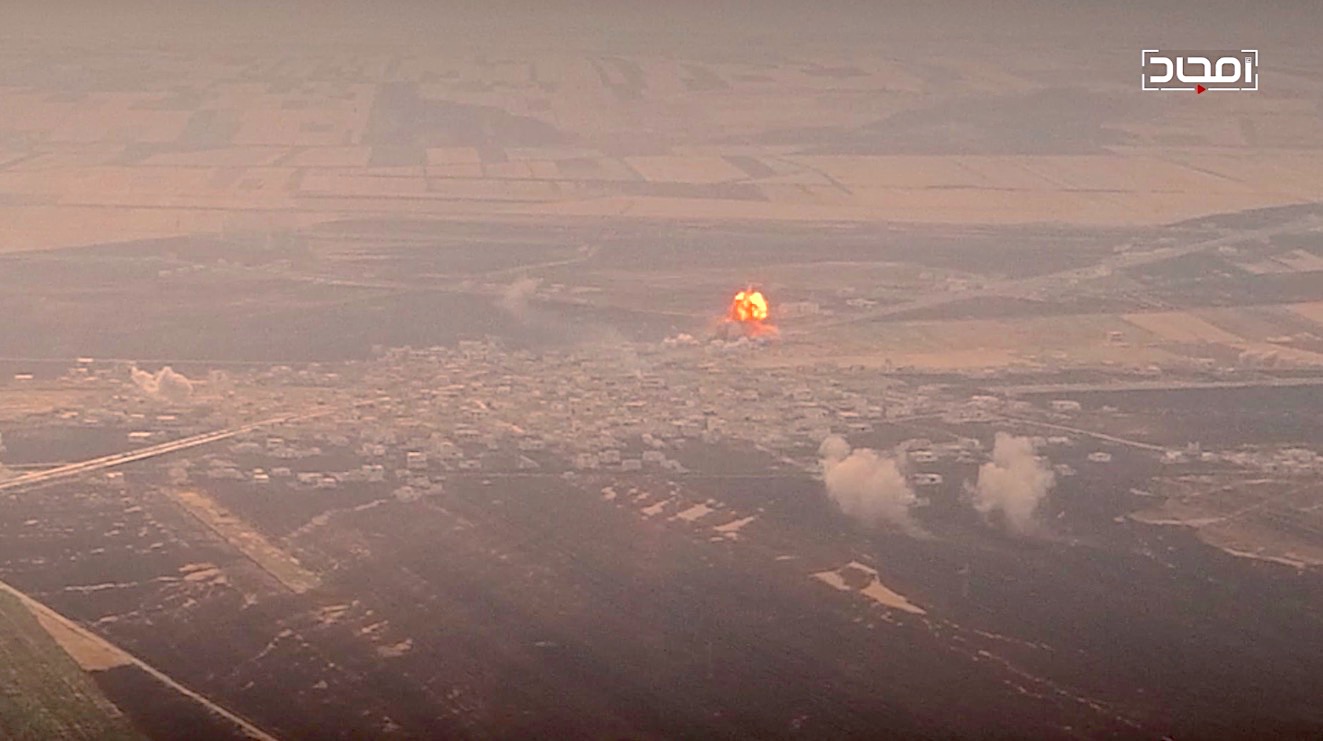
(275, 562)
(464, 437)
(860, 138)
(44, 694)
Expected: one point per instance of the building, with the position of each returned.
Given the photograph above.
(798, 308)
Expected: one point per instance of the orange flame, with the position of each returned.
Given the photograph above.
(749, 306)
(748, 311)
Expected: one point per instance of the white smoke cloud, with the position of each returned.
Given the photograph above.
(165, 384)
(867, 485)
(1013, 483)
(834, 448)
(516, 295)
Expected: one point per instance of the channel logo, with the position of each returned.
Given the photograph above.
(1201, 71)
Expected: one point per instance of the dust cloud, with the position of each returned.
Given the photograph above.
(514, 300)
(867, 485)
(1013, 484)
(165, 384)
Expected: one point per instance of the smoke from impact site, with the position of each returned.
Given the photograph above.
(165, 384)
(867, 485)
(1014, 483)
(514, 299)
(873, 487)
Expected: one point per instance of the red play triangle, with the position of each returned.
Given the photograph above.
(1199, 89)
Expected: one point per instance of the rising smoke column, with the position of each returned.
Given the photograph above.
(1013, 483)
(514, 299)
(165, 384)
(866, 485)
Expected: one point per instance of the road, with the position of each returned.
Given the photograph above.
(1090, 433)
(119, 459)
(41, 609)
(1069, 277)
(1154, 385)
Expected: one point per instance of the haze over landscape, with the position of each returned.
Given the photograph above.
(626, 370)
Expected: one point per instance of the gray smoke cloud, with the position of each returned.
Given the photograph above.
(165, 384)
(585, 334)
(865, 484)
(514, 299)
(1013, 483)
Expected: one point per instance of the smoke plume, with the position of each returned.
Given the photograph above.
(514, 299)
(866, 485)
(1013, 483)
(165, 384)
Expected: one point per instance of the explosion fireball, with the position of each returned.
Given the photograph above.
(749, 310)
(749, 306)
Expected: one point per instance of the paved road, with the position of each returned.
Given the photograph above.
(1072, 276)
(119, 459)
(1164, 385)
(1090, 433)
